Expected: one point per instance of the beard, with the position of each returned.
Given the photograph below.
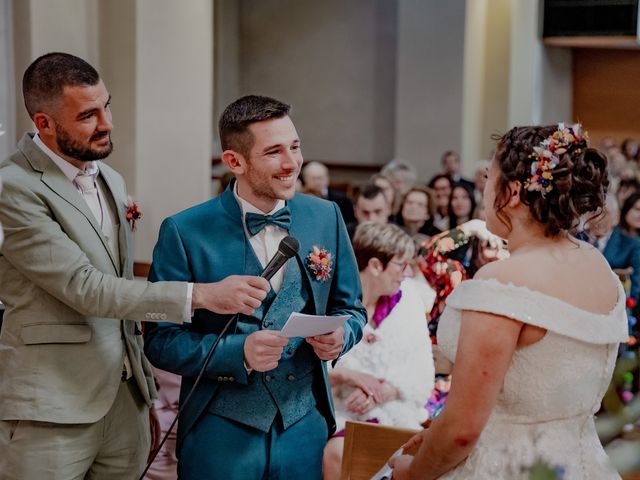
(79, 151)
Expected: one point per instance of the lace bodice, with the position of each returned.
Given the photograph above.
(552, 388)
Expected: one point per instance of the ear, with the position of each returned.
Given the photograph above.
(375, 266)
(515, 188)
(234, 162)
(44, 123)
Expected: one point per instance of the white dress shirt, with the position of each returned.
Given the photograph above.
(265, 243)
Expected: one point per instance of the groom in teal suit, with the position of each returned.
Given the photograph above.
(263, 409)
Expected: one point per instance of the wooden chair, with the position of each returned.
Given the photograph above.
(367, 446)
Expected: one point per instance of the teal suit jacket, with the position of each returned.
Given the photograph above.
(206, 243)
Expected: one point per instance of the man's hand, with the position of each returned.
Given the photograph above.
(328, 346)
(234, 294)
(156, 431)
(400, 467)
(263, 349)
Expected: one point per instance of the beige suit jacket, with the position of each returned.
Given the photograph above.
(71, 307)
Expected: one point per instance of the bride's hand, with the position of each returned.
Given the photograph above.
(400, 467)
(413, 443)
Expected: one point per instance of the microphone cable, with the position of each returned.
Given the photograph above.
(288, 247)
(190, 394)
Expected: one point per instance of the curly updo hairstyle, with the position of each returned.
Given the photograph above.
(579, 180)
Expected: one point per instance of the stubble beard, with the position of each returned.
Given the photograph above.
(79, 151)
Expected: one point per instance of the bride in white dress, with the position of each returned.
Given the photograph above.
(533, 337)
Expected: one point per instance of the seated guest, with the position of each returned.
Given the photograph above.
(440, 262)
(462, 204)
(451, 166)
(386, 185)
(387, 377)
(480, 178)
(403, 176)
(415, 215)
(441, 185)
(630, 215)
(371, 206)
(315, 177)
(627, 186)
(617, 244)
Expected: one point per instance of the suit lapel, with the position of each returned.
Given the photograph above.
(56, 180)
(234, 249)
(301, 228)
(124, 234)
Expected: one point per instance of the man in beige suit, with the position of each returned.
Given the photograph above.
(75, 388)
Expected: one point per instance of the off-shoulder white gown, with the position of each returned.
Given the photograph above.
(552, 388)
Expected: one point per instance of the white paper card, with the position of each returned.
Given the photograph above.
(303, 325)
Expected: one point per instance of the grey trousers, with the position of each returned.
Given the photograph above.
(116, 446)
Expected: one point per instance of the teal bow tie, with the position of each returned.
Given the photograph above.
(256, 221)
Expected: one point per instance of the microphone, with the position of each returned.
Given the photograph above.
(288, 247)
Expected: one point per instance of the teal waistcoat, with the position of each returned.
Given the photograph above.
(288, 389)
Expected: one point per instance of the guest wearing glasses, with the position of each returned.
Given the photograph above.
(373, 382)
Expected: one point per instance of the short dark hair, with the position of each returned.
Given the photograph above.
(448, 154)
(44, 80)
(370, 191)
(236, 118)
(435, 178)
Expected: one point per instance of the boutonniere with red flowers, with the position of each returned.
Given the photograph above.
(133, 213)
(319, 262)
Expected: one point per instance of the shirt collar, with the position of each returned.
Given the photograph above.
(246, 207)
(70, 171)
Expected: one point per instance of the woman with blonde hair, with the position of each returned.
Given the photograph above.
(388, 376)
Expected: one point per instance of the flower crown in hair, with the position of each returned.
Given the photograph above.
(547, 156)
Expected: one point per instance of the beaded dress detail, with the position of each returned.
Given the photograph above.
(551, 390)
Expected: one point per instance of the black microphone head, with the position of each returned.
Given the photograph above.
(289, 246)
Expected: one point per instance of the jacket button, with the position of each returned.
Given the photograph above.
(232, 379)
(225, 379)
(291, 377)
(268, 378)
(219, 379)
(267, 324)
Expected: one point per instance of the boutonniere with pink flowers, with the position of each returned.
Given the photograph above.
(320, 264)
(133, 213)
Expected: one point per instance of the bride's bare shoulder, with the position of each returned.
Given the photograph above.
(505, 270)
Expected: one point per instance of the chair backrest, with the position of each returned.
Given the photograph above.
(367, 446)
